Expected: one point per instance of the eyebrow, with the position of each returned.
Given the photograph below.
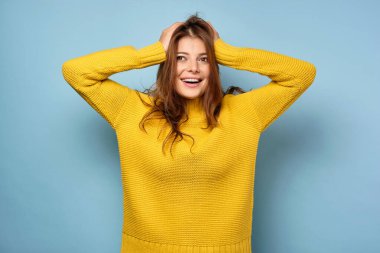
(188, 53)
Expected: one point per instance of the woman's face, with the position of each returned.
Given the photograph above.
(193, 68)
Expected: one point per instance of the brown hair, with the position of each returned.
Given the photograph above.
(167, 103)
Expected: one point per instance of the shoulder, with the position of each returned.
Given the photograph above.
(136, 102)
(239, 100)
(240, 108)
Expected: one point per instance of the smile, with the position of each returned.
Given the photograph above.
(191, 82)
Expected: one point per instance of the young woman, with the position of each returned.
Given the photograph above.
(187, 149)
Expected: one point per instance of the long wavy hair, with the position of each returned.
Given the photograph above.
(166, 103)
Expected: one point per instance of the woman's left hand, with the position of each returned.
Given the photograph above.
(216, 34)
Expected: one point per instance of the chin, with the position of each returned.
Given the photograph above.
(189, 96)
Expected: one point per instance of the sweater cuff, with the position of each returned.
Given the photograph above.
(226, 54)
(152, 54)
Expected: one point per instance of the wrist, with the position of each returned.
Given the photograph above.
(226, 54)
(152, 54)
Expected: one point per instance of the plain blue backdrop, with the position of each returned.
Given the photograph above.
(317, 179)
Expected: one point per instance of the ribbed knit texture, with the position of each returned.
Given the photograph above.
(189, 202)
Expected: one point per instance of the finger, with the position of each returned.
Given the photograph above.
(174, 26)
(211, 26)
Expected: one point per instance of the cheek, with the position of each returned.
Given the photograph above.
(206, 71)
(180, 68)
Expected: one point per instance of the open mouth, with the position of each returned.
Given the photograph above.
(191, 82)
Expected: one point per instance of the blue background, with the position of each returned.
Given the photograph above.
(317, 174)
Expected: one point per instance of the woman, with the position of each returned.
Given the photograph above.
(198, 197)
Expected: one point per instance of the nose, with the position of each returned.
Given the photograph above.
(193, 66)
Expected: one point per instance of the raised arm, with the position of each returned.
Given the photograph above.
(88, 75)
(290, 77)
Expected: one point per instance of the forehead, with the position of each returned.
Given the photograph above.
(191, 44)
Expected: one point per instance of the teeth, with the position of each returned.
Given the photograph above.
(191, 80)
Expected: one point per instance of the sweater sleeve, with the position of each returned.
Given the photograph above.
(290, 77)
(88, 76)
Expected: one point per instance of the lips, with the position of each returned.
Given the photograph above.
(191, 82)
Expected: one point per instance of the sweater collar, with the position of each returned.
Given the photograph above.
(195, 110)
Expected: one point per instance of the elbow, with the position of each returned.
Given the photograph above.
(313, 72)
(67, 69)
(69, 72)
(309, 74)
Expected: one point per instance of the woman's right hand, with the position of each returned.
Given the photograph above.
(167, 34)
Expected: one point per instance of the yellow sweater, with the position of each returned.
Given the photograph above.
(191, 202)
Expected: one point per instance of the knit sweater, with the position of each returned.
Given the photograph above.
(199, 200)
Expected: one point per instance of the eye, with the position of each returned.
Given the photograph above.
(204, 59)
(180, 57)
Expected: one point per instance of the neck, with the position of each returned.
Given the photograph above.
(195, 108)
